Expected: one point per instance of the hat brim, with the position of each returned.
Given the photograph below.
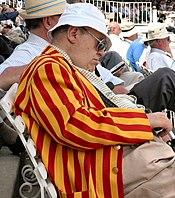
(118, 67)
(75, 23)
(155, 38)
(129, 33)
(59, 9)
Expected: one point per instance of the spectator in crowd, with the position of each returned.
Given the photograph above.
(7, 45)
(160, 54)
(6, 48)
(113, 60)
(38, 23)
(144, 14)
(9, 137)
(76, 135)
(9, 11)
(129, 34)
(170, 23)
(134, 53)
(115, 84)
(114, 31)
(24, 53)
(135, 12)
(162, 5)
(159, 97)
(7, 8)
(161, 17)
(15, 35)
(9, 15)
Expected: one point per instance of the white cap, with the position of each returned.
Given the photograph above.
(128, 29)
(83, 15)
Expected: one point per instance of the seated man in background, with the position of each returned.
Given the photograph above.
(38, 23)
(114, 31)
(155, 92)
(79, 138)
(129, 34)
(11, 69)
(134, 53)
(160, 55)
(122, 35)
(126, 35)
(114, 62)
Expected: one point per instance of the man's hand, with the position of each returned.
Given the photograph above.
(120, 89)
(160, 120)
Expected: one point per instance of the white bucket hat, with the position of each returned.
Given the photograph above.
(42, 8)
(158, 31)
(83, 15)
(128, 29)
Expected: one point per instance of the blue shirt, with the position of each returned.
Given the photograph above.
(134, 53)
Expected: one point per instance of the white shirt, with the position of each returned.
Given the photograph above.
(107, 76)
(158, 59)
(119, 45)
(25, 52)
(116, 44)
(144, 57)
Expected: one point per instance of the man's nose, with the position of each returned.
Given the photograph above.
(101, 53)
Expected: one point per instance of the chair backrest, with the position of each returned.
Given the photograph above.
(6, 105)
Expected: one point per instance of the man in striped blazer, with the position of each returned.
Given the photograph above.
(79, 139)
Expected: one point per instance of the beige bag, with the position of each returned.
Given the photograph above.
(149, 170)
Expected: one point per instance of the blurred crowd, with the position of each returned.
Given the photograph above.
(165, 5)
(12, 30)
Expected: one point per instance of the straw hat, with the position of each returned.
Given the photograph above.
(42, 8)
(128, 29)
(83, 14)
(156, 32)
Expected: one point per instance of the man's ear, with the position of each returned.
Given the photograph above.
(46, 23)
(73, 34)
(49, 22)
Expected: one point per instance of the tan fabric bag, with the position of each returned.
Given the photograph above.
(149, 170)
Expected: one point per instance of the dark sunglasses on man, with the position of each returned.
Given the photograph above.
(102, 44)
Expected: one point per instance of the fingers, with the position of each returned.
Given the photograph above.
(160, 120)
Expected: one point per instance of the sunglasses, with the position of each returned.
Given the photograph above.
(102, 44)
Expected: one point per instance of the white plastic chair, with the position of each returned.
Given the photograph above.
(6, 105)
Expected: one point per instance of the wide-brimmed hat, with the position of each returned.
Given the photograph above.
(42, 8)
(156, 32)
(128, 29)
(83, 15)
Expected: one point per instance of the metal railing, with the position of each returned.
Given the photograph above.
(138, 12)
(14, 3)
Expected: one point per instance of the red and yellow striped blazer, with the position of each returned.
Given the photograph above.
(79, 139)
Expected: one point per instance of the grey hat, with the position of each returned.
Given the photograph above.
(112, 61)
